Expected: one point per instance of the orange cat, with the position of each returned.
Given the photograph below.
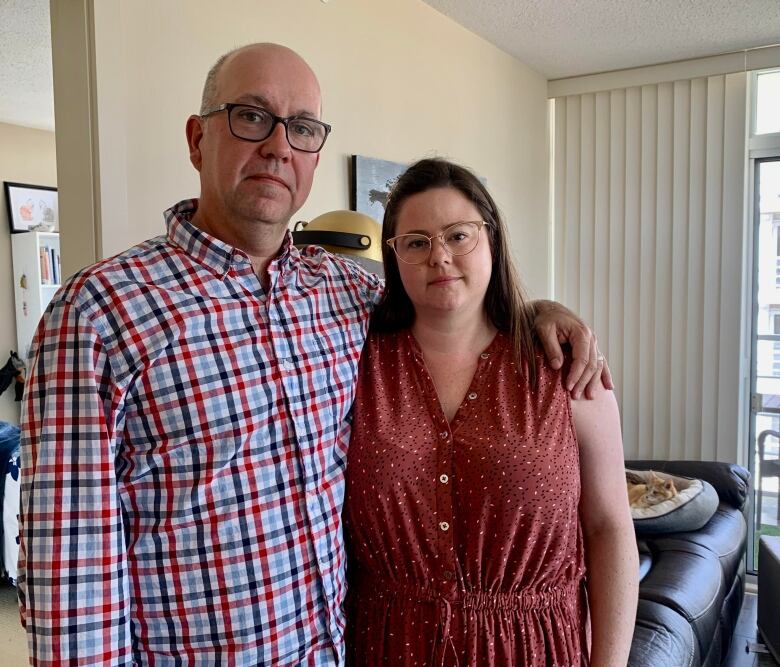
(651, 492)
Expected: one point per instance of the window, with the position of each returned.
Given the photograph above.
(776, 227)
(767, 102)
(777, 253)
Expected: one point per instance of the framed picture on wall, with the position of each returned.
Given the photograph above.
(31, 207)
(372, 181)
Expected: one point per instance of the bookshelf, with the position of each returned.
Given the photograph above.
(36, 260)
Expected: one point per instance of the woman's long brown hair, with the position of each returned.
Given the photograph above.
(506, 305)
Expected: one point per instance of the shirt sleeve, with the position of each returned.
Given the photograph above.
(72, 580)
(372, 287)
(375, 290)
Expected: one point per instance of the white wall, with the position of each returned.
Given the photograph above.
(400, 81)
(26, 156)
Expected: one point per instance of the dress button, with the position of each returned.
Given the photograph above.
(472, 395)
(444, 526)
(449, 575)
(444, 435)
(484, 355)
(444, 479)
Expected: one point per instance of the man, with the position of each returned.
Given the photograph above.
(185, 424)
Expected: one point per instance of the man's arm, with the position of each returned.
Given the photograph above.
(73, 588)
(555, 324)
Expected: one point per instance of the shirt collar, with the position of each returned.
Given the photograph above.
(209, 250)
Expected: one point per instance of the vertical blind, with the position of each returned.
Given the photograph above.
(649, 186)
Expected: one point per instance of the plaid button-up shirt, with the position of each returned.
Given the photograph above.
(183, 452)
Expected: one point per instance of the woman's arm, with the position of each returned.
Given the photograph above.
(610, 545)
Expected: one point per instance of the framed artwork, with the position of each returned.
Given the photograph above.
(31, 206)
(371, 183)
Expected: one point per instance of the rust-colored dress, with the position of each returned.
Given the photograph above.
(464, 539)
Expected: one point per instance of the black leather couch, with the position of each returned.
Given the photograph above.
(692, 584)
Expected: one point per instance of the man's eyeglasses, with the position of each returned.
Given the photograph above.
(252, 123)
(460, 238)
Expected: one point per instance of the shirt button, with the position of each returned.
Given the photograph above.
(444, 479)
(238, 259)
(444, 526)
(472, 395)
(484, 355)
(444, 435)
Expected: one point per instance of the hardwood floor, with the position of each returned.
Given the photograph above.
(746, 633)
(13, 641)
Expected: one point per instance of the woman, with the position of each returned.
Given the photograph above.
(482, 505)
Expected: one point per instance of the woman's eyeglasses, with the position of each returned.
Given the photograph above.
(459, 238)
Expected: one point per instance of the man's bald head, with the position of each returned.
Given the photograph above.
(210, 97)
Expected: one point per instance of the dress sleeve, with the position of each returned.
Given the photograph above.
(73, 586)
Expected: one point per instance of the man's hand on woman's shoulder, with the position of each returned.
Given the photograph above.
(555, 324)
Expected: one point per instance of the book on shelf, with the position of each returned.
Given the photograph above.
(44, 259)
(50, 265)
(55, 265)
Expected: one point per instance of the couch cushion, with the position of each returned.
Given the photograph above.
(688, 579)
(662, 638)
(725, 535)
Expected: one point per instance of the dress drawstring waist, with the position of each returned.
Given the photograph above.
(378, 590)
(477, 600)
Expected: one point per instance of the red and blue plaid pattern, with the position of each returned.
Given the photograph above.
(183, 453)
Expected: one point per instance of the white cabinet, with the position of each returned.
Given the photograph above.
(36, 259)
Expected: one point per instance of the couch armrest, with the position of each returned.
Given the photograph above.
(730, 480)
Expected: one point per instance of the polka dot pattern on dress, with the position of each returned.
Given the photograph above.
(464, 537)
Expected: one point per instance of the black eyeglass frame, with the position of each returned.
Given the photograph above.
(440, 236)
(229, 106)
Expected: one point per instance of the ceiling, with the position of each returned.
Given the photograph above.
(562, 38)
(557, 38)
(26, 96)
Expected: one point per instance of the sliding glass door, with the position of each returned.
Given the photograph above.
(764, 442)
(765, 404)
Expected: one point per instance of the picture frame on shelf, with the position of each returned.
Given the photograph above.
(31, 207)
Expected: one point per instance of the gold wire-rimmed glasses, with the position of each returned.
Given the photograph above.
(459, 238)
